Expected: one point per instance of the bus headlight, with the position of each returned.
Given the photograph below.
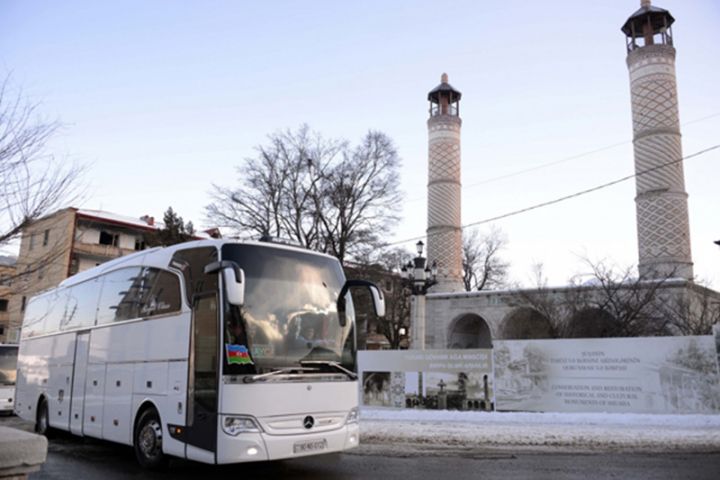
(235, 425)
(353, 416)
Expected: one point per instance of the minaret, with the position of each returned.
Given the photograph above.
(444, 232)
(661, 201)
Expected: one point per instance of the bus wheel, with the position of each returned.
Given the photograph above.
(148, 441)
(42, 424)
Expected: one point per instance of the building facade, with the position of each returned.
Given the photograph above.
(62, 244)
(7, 276)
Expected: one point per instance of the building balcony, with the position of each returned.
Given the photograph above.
(100, 251)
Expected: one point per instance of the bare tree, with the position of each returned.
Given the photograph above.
(32, 182)
(483, 268)
(318, 192)
(277, 192)
(607, 302)
(693, 310)
(624, 304)
(381, 267)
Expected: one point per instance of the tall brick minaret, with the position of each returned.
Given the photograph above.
(661, 202)
(444, 232)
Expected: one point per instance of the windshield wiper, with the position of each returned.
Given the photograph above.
(280, 371)
(335, 365)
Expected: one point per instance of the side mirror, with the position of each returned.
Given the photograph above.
(234, 286)
(233, 279)
(376, 294)
(378, 300)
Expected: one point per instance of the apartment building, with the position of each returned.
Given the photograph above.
(60, 245)
(7, 274)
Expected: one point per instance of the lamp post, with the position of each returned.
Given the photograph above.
(419, 278)
(716, 327)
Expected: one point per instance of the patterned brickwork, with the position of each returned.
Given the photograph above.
(656, 166)
(661, 202)
(663, 228)
(443, 242)
(444, 234)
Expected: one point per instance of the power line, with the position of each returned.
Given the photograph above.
(574, 195)
(562, 160)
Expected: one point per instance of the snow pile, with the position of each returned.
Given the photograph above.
(570, 431)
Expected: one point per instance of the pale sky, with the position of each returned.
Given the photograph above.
(164, 98)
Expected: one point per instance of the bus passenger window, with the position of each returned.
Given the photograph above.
(160, 293)
(120, 297)
(81, 305)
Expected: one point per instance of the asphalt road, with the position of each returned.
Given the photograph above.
(74, 457)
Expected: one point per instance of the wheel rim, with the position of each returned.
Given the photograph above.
(150, 439)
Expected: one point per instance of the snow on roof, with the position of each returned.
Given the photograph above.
(116, 218)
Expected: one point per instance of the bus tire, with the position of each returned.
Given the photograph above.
(147, 441)
(42, 419)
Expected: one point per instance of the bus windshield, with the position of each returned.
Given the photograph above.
(8, 364)
(290, 314)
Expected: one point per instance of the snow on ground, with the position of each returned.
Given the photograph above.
(523, 430)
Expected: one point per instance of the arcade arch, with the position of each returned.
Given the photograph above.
(592, 323)
(525, 323)
(469, 331)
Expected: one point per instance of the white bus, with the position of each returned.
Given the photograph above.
(8, 365)
(213, 351)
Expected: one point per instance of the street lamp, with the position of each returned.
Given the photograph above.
(417, 275)
(419, 278)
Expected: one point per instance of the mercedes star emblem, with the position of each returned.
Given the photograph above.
(308, 422)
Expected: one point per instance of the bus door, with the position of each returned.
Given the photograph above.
(203, 391)
(77, 397)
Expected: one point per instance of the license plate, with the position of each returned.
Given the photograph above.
(310, 446)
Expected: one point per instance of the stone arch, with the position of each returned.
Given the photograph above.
(525, 323)
(469, 331)
(592, 323)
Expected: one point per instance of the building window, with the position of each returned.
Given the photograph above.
(109, 239)
(46, 238)
(2, 330)
(40, 273)
(139, 244)
(3, 305)
(22, 304)
(32, 241)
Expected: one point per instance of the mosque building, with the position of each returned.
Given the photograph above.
(457, 319)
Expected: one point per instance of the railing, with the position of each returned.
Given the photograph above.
(451, 109)
(96, 250)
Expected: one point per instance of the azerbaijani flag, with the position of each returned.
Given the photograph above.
(238, 354)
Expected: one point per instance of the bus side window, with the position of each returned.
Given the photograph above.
(34, 317)
(160, 293)
(121, 294)
(81, 305)
(56, 311)
(43, 314)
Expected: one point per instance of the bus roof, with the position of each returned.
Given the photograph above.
(160, 257)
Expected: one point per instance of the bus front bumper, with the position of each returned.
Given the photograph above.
(252, 447)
